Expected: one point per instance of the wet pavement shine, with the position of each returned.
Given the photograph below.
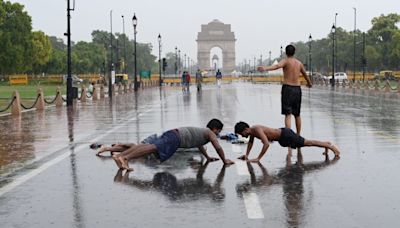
(50, 178)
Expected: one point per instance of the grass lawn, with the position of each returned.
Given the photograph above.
(29, 91)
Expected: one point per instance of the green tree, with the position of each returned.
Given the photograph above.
(15, 39)
(87, 57)
(42, 50)
(383, 35)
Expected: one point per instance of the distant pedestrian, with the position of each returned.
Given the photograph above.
(219, 77)
(187, 82)
(183, 81)
(199, 79)
(91, 88)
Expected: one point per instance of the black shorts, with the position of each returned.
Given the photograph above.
(291, 100)
(290, 139)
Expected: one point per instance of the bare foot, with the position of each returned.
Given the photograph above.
(117, 161)
(335, 149)
(124, 163)
(102, 149)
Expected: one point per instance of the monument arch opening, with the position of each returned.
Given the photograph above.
(213, 36)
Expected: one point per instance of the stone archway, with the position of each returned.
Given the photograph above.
(216, 34)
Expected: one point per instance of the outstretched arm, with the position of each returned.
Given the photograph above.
(249, 146)
(281, 64)
(214, 141)
(264, 139)
(204, 152)
(303, 72)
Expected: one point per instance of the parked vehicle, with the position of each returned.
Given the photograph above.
(75, 79)
(386, 75)
(341, 76)
(121, 78)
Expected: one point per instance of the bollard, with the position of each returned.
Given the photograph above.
(376, 85)
(125, 88)
(95, 96)
(366, 85)
(16, 105)
(59, 100)
(337, 84)
(130, 87)
(398, 86)
(40, 103)
(358, 85)
(387, 87)
(102, 93)
(83, 94)
(119, 88)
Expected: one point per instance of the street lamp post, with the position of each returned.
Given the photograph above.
(159, 58)
(354, 37)
(364, 59)
(309, 54)
(184, 62)
(179, 61)
(333, 55)
(189, 66)
(176, 61)
(123, 29)
(134, 22)
(336, 46)
(111, 60)
(69, 70)
(270, 60)
(281, 52)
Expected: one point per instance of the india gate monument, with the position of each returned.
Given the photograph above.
(216, 34)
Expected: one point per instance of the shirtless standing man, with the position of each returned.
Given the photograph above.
(291, 90)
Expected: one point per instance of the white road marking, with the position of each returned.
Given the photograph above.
(24, 178)
(252, 204)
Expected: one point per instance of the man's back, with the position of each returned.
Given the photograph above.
(291, 71)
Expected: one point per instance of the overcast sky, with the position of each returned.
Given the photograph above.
(259, 25)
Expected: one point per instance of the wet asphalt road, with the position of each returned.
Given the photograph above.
(49, 177)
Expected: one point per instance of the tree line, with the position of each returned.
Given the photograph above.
(381, 49)
(25, 51)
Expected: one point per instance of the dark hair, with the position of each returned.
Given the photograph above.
(240, 126)
(290, 50)
(215, 124)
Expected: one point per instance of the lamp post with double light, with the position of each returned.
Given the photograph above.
(134, 22)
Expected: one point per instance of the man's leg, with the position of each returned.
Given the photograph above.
(298, 124)
(115, 148)
(133, 152)
(326, 145)
(298, 130)
(288, 124)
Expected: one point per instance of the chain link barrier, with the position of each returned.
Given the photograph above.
(54, 100)
(9, 105)
(34, 104)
